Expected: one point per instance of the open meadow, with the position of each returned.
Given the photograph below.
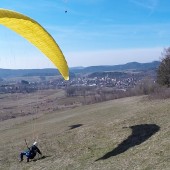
(128, 133)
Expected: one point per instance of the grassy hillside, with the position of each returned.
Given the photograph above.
(129, 133)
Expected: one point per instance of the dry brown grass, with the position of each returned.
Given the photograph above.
(102, 130)
(42, 101)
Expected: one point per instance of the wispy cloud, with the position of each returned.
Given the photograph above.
(148, 4)
(115, 36)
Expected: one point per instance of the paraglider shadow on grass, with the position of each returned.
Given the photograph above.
(75, 126)
(140, 133)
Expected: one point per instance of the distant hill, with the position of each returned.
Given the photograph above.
(129, 66)
(4, 73)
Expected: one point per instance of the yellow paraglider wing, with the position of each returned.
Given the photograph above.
(37, 35)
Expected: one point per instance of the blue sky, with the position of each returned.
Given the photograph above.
(92, 32)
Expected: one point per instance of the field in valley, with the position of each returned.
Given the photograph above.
(127, 133)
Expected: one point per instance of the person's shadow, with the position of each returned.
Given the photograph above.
(140, 133)
(41, 157)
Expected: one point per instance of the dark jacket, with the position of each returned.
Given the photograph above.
(33, 150)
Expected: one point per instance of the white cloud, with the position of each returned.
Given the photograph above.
(113, 57)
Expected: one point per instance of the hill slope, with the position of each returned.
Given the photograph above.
(129, 133)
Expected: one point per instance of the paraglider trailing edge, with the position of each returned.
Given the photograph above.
(33, 32)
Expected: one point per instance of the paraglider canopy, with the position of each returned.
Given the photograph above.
(37, 35)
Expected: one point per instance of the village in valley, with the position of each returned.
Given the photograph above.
(116, 80)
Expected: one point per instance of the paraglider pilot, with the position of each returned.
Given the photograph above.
(31, 152)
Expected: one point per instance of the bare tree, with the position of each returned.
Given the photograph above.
(163, 73)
